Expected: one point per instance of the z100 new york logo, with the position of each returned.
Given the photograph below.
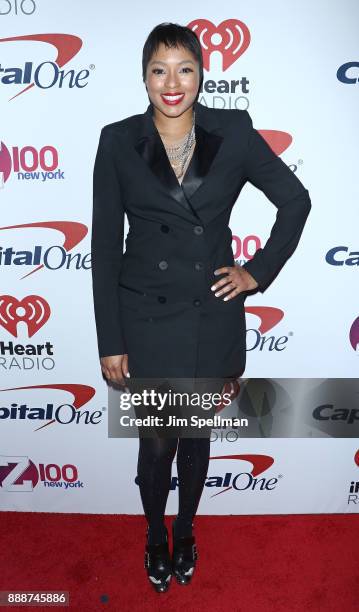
(19, 474)
(29, 163)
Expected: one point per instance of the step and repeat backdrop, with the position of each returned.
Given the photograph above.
(68, 68)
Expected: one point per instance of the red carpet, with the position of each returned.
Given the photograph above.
(246, 563)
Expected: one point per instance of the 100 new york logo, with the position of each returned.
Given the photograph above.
(29, 163)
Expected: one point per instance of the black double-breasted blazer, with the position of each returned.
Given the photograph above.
(153, 298)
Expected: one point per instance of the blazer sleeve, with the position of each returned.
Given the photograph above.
(266, 171)
(107, 248)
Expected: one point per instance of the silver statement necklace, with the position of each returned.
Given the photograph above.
(178, 154)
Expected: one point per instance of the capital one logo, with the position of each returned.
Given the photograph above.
(56, 256)
(257, 338)
(246, 480)
(348, 73)
(49, 413)
(33, 310)
(48, 73)
(231, 38)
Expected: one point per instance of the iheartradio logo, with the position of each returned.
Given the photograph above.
(231, 38)
(33, 310)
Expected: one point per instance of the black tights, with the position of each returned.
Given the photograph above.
(154, 468)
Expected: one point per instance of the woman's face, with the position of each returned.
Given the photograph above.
(172, 71)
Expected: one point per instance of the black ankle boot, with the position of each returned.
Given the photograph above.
(158, 565)
(184, 557)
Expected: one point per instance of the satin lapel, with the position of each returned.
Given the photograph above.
(151, 149)
(205, 151)
(154, 154)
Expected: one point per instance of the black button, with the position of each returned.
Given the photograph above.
(198, 265)
(165, 229)
(163, 265)
(198, 229)
(197, 302)
(162, 299)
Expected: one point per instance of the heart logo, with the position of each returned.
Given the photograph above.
(32, 309)
(231, 38)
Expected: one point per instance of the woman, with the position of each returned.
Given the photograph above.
(172, 306)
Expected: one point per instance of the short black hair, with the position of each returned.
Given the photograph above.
(172, 35)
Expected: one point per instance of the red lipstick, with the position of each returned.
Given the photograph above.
(172, 98)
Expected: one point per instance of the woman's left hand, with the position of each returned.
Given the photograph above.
(236, 281)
